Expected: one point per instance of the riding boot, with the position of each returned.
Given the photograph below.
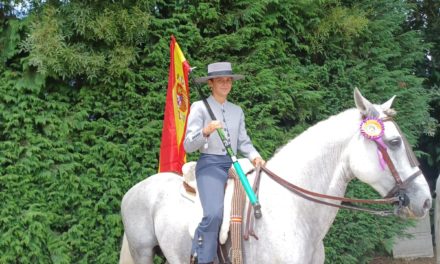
(193, 259)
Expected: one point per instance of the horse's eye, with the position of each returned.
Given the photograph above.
(395, 142)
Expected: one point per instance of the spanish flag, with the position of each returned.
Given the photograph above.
(172, 153)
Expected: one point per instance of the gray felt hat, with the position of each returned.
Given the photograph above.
(219, 69)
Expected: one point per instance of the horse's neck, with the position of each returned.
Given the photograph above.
(315, 160)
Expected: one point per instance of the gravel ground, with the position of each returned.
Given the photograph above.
(390, 260)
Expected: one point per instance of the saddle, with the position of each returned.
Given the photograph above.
(232, 214)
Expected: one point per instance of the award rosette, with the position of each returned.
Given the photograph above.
(372, 128)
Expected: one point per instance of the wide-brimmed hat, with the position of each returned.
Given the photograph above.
(219, 69)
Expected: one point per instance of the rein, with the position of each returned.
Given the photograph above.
(400, 198)
(309, 195)
(395, 196)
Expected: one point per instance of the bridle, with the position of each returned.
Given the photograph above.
(396, 195)
(400, 185)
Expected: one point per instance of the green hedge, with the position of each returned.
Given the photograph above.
(82, 92)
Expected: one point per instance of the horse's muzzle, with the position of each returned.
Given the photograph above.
(405, 209)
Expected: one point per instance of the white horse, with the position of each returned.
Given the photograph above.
(322, 159)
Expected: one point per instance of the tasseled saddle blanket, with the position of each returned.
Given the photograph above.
(189, 190)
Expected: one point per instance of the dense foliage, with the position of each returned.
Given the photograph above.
(425, 17)
(82, 92)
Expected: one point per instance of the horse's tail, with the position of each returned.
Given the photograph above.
(125, 256)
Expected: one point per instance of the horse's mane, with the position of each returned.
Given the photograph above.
(334, 128)
(314, 152)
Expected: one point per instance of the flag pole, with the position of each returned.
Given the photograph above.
(244, 181)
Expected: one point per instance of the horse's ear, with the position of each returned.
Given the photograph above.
(362, 104)
(387, 105)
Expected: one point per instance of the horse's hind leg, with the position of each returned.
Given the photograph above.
(125, 256)
(139, 230)
(319, 254)
(140, 250)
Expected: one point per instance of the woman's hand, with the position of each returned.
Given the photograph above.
(258, 161)
(211, 127)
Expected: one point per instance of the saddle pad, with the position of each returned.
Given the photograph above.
(188, 170)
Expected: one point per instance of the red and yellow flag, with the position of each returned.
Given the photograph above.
(172, 153)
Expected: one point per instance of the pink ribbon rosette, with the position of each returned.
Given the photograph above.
(373, 129)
